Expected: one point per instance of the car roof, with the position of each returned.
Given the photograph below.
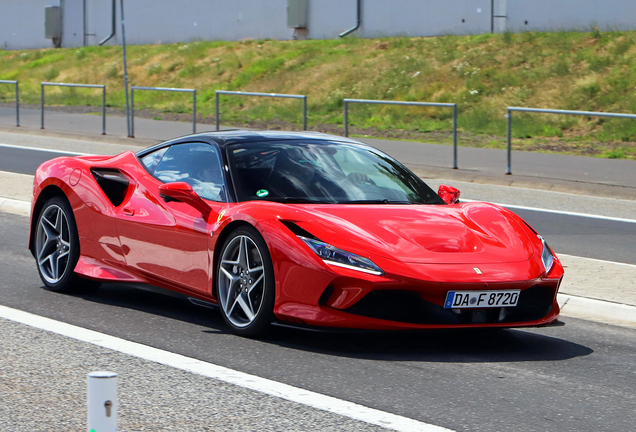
(229, 137)
(239, 136)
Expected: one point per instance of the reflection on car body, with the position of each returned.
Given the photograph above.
(299, 228)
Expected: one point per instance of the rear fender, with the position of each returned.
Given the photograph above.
(71, 177)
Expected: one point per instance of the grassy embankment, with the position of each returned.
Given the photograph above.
(483, 74)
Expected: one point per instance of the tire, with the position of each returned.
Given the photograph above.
(57, 248)
(245, 282)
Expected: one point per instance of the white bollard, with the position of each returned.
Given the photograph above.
(102, 402)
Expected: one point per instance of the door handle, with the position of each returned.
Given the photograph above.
(129, 212)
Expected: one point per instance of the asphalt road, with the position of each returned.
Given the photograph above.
(579, 377)
(572, 235)
(585, 236)
(25, 160)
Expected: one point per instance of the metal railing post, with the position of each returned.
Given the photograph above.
(382, 102)
(17, 99)
(217, 111)
(454, 136)
(125, 59)
(274, 95)
(100, 86)
(346, 118)
(305, 113)
(132, 112)
(104, 111)
(168, 89)
(42, 106)
(555, 111)
(194, 111)
(509, 118)
(17, 104)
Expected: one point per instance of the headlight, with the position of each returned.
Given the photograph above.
(338, 257)
(546, 255)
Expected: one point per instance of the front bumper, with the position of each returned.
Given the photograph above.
(357, 301)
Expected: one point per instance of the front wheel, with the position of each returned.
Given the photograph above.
(245, 282)
(57, 247)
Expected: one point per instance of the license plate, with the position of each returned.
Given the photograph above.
(481, 299)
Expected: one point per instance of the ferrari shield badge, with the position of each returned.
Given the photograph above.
(477, 270)
(220, 216)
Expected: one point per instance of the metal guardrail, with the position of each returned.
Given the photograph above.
(103, 87)
(552, 111)
(381, 102)
(276, 95)
(179, 90)
(17, 99)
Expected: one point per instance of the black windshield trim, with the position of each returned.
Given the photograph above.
(420, 193)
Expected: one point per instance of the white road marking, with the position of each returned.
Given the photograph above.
(598, 260)
(586, 215)
(252, 382)
(46, 150)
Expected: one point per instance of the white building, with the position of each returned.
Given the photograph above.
(87, 22)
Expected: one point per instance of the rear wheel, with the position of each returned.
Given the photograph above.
(57, 247)
(245, 282)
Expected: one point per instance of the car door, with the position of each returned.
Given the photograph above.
(168, 241)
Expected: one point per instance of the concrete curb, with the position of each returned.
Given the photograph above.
(9, 205)
(597, 310)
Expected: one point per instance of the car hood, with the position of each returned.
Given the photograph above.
(462, 233)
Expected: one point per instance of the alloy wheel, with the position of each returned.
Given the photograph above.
(242, 281)
(53, 244)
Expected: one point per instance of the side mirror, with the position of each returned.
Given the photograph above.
(449, 194)
(183, 192)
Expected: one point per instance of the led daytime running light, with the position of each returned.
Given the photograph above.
(341, 258)
(546, 255)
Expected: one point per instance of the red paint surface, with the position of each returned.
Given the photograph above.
(427, 249)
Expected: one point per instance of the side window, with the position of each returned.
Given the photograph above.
(151, 160)
(198, 165)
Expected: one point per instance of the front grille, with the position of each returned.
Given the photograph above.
(409, 307)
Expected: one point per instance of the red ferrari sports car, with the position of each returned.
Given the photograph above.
(299, 228)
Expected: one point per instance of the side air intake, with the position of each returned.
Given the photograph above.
(113, 183)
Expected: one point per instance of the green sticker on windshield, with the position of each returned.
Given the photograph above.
(262, 193)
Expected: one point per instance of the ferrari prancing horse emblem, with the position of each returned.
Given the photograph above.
(477, 270)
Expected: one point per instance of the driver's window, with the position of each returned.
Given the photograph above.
(151, 160)
(198, 165)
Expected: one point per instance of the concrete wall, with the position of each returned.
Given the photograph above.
(185, 20)
(583, 15)
(329, 18)
(163, 21)
(22, 24)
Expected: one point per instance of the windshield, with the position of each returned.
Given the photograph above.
(323, 172)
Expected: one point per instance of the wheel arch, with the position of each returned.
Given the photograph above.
(223, 235)
(254, 325)
(47, 193)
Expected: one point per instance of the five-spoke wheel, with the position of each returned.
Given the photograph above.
(245, 282)
(57, 247)
(53, 243)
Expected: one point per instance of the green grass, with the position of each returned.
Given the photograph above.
(482, 74)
